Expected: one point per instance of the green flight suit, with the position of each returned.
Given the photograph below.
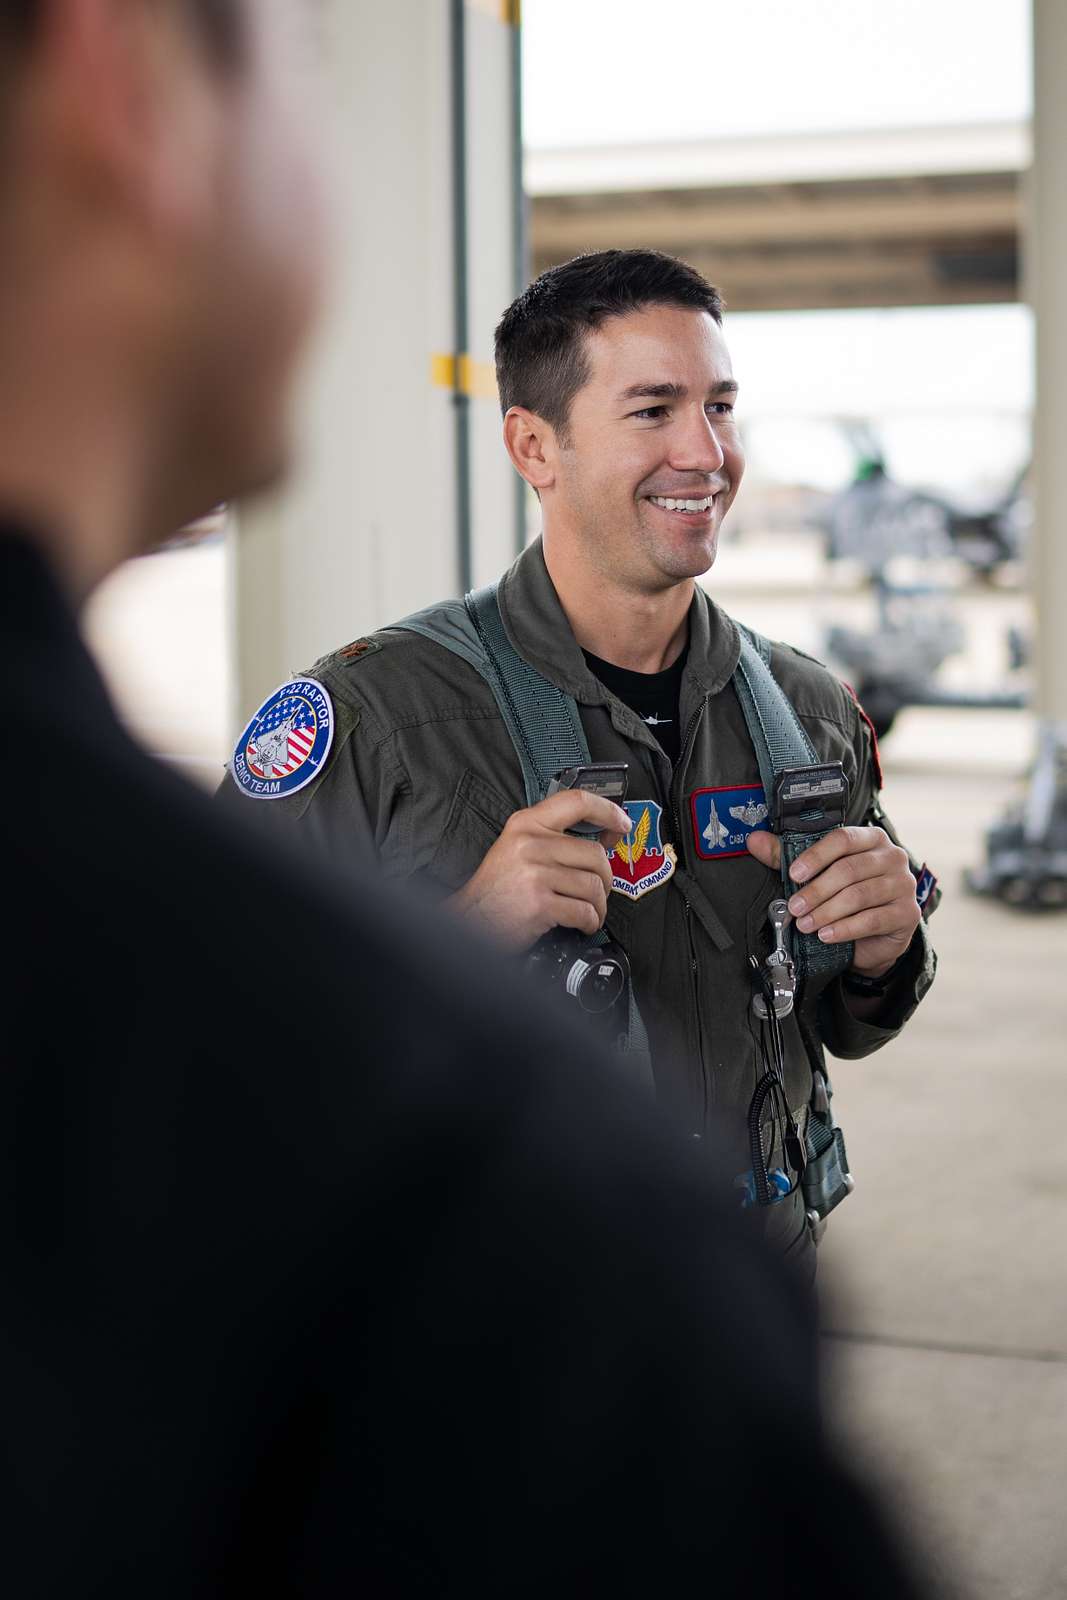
(422, 772)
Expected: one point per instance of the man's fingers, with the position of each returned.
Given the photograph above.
(574, 884)
(766, 847)
(577, 914)
(854, 897)
(538, 876)
(871, 866)
(840, 842)
(880, 922)
(562, 811)
(581, 855)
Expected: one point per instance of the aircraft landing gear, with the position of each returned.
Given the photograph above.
(1026, 851)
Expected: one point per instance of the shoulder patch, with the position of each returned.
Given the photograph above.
(285, 745)
(641, 861)
(925, 890)
(358, 649)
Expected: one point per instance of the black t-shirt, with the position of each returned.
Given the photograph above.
(653, 696)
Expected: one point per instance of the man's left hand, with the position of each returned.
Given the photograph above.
(854, 884)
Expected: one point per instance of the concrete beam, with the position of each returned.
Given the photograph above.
(772, 158)
(818, 213)
(936, 239)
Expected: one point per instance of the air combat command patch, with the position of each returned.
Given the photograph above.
(286, 743)
(642, 861)
(724, 818)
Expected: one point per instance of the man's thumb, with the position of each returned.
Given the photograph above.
(766, 847)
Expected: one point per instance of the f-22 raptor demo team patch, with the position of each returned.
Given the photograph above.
(641, 861)
(286, 743)
(724, 818)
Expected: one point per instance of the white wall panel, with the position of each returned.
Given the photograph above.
(367, 530)
(491, 278)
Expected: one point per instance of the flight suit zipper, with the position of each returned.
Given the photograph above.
(694, 969)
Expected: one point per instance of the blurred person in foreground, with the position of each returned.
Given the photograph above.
(322, 1274)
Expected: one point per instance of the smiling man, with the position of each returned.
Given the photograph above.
(599, 647)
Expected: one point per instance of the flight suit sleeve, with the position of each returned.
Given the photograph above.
(844, 1034)
(352, 812)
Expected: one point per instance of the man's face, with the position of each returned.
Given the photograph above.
(653, 426)
(258, 265)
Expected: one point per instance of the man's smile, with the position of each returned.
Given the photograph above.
(692, 511)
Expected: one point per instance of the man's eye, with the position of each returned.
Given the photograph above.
(722, 408)
(650, 411)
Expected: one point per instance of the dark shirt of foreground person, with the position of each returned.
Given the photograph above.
(328, 1269)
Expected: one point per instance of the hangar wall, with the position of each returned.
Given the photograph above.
(371, 528)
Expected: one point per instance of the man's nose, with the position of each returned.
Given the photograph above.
(696, 447)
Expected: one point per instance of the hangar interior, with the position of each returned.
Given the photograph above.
(946, 1301)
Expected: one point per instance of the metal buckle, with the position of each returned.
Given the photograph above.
(810, 799)
(778, 973)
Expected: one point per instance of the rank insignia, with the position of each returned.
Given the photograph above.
(286, 743)
(358, 649)
(724, 818)
(642, 861)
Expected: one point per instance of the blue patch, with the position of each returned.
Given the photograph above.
(286, 743)
(724, 818)
(777, 1181)
(925, 884)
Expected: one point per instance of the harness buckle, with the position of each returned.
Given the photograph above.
(810, 799)
(776, 980)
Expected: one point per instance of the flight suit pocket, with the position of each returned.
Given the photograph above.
(476, 817)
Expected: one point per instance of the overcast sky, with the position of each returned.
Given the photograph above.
(621, 71)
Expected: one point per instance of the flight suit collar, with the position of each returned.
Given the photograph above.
(537, 626)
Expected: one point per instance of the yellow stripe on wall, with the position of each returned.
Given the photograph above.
(443, 371)
(502, 10)
(476, 378)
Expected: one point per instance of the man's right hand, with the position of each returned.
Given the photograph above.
(538, 876)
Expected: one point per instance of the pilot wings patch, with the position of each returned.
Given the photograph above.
(724, 818)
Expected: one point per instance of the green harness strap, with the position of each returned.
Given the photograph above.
(544, 724)
(546, 731)
(546, 728)
(780, 742)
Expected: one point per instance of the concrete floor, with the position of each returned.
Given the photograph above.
(944, 1277)
(944, 1274)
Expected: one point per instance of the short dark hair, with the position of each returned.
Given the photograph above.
(541, 359)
